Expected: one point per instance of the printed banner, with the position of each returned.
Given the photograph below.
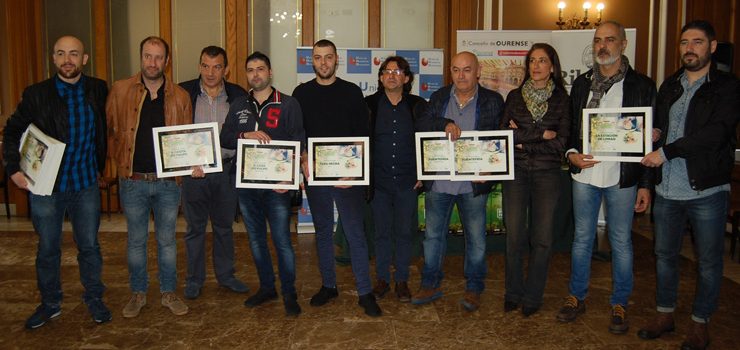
(502, 53)
(361, 66)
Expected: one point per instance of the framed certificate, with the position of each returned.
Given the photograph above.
(338, 161)
(483, 155)
(618, 134)
(432, 156)
(179, 148)
(41, 156)
(274, 165)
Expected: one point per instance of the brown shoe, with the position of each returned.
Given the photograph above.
(137, 301)
(618, 323)
(661, 323)
(402, 292)
(426, 295)
(381, 287)
(572, 307)
(174, 303)
(471, 301)
(698, 337)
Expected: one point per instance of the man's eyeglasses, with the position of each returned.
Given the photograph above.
(392, 72)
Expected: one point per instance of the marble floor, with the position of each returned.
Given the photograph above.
(218, 318)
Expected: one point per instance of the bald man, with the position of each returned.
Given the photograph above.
(462, 106)
(69, 107)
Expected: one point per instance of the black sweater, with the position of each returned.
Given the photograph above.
(336, 110)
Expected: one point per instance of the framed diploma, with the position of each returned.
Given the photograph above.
(483, 155)
(338, 161)
(41, 156)
(179, 148)
(432, 156)
(618, 134)
(274, 165)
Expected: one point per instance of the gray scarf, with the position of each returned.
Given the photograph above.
(601, 84)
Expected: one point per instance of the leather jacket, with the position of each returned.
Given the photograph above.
(708, 144)
(123, 107)
(637, 91)
(42, 106)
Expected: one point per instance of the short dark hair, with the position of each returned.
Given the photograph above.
(325, 43)
(258, 56)
(702, 25)
(213, 52)
(156, 41)
(557, 74)
(402, 65)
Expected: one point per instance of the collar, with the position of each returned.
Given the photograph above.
(63, 84)
(221, 91)
(473, 98)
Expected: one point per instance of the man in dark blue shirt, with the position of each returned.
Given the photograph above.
(69, 107)
(393, 173)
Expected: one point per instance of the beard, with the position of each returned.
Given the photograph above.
(259, 85)
(328, 75)
(697, 64)
(152, 76)
(69, 74)
(611, 59)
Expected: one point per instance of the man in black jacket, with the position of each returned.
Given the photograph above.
(698, 107)
(464, 105)
(625, 187)
(211, 195)
(393, 111)
(69, 107)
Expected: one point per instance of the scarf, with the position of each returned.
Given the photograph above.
(536, 99)
(600, 84)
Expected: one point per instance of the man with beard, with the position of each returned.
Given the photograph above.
(135, 106)
(211, 195)
(625, 187)
(333, 107)
(69, 107)
(698, 107)
(278, 117)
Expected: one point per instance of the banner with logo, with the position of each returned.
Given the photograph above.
(361, 66)
(502, 53)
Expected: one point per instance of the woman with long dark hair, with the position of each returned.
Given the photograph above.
(538, 113)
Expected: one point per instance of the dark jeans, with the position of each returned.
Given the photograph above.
(258, 205)
(707, 217)
(529, 203)
(351, 206)
(213, 196)
(47, 215)
(395, 217)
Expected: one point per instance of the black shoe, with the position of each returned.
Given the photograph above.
(510, 306)
(192, 291)
(371, 307)
(98, 310)
(43, 314)
(529, 310)
(324, 296)
(262, 296)
(290, 302)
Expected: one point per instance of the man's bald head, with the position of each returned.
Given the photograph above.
(465, 71)
(69, 57)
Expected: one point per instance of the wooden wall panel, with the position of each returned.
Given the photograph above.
(231, 39)
(442, 30)
(101, 23)
(307, 25)
(373, 23)
(242, 38)
(165, 29)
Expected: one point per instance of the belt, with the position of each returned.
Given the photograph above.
(149, 177)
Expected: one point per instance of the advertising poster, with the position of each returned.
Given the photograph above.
(361, 66)
(502, 53)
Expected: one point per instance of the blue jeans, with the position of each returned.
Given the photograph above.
(620, 208)
(351, 206)
(47, 215)
(529, 202)
(707, 217)
(138, 199)
(472, 211)
(213, 196)
(258, 205)
(395, 217)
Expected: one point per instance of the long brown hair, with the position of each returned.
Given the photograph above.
(557, 74)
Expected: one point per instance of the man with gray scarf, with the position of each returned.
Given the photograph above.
(612, 83)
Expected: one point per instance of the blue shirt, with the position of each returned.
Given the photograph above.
(464, 118)
(79, 164)
(675, 182)
(394, 157)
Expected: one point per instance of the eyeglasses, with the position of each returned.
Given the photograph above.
(392, 71)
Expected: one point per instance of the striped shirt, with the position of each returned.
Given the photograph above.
(79, 164)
